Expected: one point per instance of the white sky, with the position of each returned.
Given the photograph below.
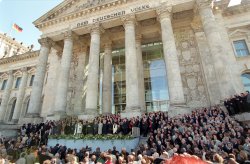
(234, 2)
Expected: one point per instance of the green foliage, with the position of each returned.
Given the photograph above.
(92, 137)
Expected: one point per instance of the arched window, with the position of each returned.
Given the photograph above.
(246, 80)
(13, 105)
(25, 106)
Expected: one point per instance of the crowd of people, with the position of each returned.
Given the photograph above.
(238, 103)
(209, 134)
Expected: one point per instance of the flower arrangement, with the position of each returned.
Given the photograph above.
(92, 137)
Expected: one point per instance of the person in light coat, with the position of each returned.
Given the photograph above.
(78, 128)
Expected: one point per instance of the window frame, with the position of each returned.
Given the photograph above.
(31, 81)
(2, 89)
(247, 46)
(18, 77)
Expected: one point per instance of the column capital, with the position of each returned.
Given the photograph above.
(129, 19)
(96, 29)
(164, 11)
(202, 4)
(70, 35)
(47, 42)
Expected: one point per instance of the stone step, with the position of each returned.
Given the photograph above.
(9, 130)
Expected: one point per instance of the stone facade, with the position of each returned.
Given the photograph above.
(10, 47)
(78, 41)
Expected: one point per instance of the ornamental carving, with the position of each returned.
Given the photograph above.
(47, 42)
(91, 3)
(96, 28)
(164, 11)
(129, 19)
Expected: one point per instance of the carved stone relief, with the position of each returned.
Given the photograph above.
(191, 73)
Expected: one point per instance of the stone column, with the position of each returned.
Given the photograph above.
(20, 96)
(37, 88)
(52, 81)
(6, 96)
(132, 79)
(63, 79)
(233, 66)
(175, 87)
(217, 49)
(140, 73)
(107, 80)
(93, 72)
(206, 61)
(78, 104)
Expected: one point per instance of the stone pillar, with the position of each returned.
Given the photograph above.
(63, 79)
(6, 96)
(140, 73)
(233, 66)
(52, 81)
(217, 49)
(20, 96)
(78, 102)
(132, 79)
(37, 88)
(107, 80)
(206, 61)
(175, 87)
(93, 72)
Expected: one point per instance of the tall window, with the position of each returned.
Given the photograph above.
(18, 81)
(12, 110)
(32, 80)
(4, 85)
(241, 48)
(246, 80)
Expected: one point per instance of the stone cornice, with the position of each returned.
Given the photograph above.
(222, 7)
(201, 4)
(164, 11)
(12, 41)
(229, 11)
(16, 58)
(53, 19)
(47, 42)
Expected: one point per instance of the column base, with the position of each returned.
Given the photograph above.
(15, 121)
(106, 114)
(178, 109)
(61, 114)
(86, 117)
(88, 114)
(31, 115)
(27, 120)
(131, 112)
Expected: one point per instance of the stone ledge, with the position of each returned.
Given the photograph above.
(243, 117)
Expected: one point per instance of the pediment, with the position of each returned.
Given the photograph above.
(238, 32)
(68, 7)
(4, 75)
(18, 73)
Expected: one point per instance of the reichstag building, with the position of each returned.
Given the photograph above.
(128, 57)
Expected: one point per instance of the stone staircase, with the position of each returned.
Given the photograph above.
(142, 141)
(9, 130)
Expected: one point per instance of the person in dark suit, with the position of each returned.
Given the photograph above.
(104, 127)
(95, 126)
